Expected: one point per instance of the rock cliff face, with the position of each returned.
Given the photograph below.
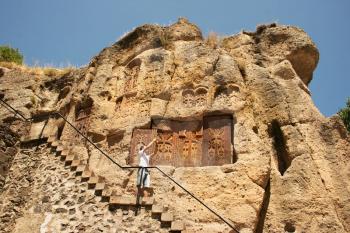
(234, 122)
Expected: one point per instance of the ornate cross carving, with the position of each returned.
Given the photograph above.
(188, 100)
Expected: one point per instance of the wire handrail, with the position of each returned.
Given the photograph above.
(128, 167)
(16, 111)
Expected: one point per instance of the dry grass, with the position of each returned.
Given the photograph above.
(213, 40)
(39, 71)
(164, 39)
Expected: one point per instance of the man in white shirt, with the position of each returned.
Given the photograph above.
(143, 174)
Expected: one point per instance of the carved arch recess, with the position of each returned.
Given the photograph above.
(225, 91)
(131, 75)
(188, 98)
(195, 97)
(82, 115)
(201, 96)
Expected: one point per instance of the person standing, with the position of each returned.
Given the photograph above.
(143, 174)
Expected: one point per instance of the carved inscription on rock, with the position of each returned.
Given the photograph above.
(201, 96)
(209, 145)
(189, 148)
(195, 98)
(141, 137)
(164, 150)
(217, 141)
(188, 98)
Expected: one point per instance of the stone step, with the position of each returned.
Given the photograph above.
(99, 187)
(85, 176)
(93, 180)
(106, 194)
(80, 169)
(60, 148)
(177, 226)
(64, 152)
(69, 158)
(147, 201)
(55, 143)
(51, 139)
(75, 163)
(122, 201)
(166, 218)
(157, 209)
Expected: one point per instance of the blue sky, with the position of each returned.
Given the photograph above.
(61, 32)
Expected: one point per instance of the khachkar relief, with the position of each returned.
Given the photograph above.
(217, 141)
(195, 98)
(82, 122)
(164, 150)
(131, 75)
(189, 149)
(141, 137)
(211, 145)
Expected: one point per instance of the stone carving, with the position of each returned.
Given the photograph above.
(189, 148)
(196, 98)
(164, 149)
(131, 73)
(217, 140)
(141, 137)
(209, 145)
(226, 91)
(81, 124)
(188, 98)
(216, 143)
(201, 96)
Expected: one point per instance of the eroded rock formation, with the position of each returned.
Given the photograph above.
(234, 122)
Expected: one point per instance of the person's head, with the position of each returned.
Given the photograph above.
(142, 146)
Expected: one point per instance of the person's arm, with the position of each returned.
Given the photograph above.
(150, 144)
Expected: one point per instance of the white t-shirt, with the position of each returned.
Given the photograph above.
(144, 159)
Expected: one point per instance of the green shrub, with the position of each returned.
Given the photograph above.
(344, 114)
(9, 54)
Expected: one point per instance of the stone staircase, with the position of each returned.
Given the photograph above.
(97, 183)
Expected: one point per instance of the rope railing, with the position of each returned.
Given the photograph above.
(129, 167)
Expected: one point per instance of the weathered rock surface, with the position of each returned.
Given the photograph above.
(235, 124)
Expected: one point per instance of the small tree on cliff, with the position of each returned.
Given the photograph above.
(9, 54)
(344, 114)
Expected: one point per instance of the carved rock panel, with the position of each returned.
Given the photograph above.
(188, 98)
(217, 141)
(201, 97)
(141, 137)
(132, 73)
(164, 150)
(195, 98)
(210, 145)
(82, 122)
(189, 149)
